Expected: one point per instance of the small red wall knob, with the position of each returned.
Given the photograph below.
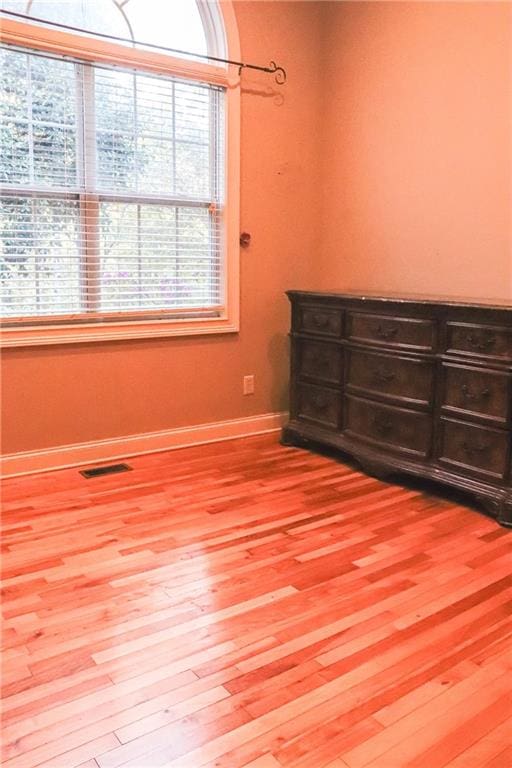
(245, 239)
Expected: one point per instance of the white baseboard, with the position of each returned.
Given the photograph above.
(63, 456)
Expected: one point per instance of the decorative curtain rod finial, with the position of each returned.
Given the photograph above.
(279, 72)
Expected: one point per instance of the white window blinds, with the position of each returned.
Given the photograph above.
(112, 192)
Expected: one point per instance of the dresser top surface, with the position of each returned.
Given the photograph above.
(407, 298)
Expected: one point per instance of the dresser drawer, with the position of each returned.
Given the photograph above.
(397, 428)
(400, 378)
(478, 450)
(410, 333)
(321, 321)
(486, 341)
(476, 391)
(318, 360)
(319, 404)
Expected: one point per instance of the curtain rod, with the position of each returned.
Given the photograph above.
(279, 72)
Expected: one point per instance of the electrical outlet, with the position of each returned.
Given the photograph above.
(249, 385)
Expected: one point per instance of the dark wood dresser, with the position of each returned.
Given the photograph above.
(407, 385)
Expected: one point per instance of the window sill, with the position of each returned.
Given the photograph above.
(32, 336)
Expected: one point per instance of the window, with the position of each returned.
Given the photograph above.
(114, 187)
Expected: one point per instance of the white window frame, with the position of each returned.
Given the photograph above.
(215, 16)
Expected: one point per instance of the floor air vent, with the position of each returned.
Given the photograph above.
(111, 469)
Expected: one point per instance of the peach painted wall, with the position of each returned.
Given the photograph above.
(63, 394)
(417, 138)
(385, 166)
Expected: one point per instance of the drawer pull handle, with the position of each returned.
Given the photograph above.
(482, 344)
(476, 396)
(383, 332)
(472, 449)
(382, 426)
(382, 377)
(321, 321)
(319, 402)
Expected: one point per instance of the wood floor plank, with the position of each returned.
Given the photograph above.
(504, 758)
(402, 742)
(249, 605)
(489, 747)
(265, 761)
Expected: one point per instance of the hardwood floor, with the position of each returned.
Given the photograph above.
(247, 604)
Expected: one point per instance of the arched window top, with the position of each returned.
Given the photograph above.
(188, 25)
